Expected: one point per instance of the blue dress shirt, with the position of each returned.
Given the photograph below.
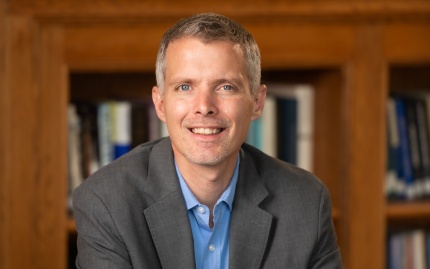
(211, 245)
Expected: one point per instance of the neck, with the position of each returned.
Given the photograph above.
(207, 183)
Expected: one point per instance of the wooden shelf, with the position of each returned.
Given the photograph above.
(408, 210)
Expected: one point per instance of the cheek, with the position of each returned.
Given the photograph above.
(241, 113)
(175, 111)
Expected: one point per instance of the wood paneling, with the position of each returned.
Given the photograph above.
(300, 44)
(364, 113)
(407, 43)
(34, 147)
(113, 47)
(52, 163)
(4, 139)
(134, 47)
(251, 10)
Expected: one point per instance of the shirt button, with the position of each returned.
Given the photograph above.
(201, 210)
(211, 248)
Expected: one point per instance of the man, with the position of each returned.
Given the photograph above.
(202, 198)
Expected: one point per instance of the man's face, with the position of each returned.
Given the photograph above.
(207, 104)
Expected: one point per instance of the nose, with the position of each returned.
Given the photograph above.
(205, 103)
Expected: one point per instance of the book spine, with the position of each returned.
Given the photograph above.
(393, 184)
(412, 128)
(405, 166)
(305, 129)
(104, 133)
(122, 128)
(424, 146)
(269, 128)
(287, 124)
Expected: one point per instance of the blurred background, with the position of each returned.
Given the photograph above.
(349, 85)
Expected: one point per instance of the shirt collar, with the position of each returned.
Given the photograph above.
(227, 196)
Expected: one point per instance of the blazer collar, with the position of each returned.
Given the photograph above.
(250, 225)
(167, 217)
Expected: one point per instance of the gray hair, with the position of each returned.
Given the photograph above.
(212, 27)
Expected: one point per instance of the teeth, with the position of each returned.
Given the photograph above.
(206, 131)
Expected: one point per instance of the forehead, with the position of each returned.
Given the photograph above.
(190, 60)
(191, 43)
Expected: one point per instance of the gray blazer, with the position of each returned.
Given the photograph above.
(131, 214)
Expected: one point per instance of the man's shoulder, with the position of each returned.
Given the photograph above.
(274, 171)
(125, 174)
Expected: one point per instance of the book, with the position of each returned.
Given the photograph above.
(287, 129)
(87, 113)
(426, 101)
(413, 154)
(139, 124)
(404, 167)
(408, 249)
(394, 187)
(415, 187)
(395, 251)
(418, 241)
(295, 123)
(106, 154)
(121, 127)
(270, 129)
(424, 146)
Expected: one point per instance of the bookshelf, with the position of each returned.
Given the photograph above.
(353, 53)
(408, 74)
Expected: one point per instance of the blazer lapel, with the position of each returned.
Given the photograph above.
(250, 225)
(167, 218)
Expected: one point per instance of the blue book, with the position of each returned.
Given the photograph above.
(255, 134)
(392, 183)
(287, 129)
(404, 167)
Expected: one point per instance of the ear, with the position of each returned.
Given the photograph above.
(259, 99)
(157, 98)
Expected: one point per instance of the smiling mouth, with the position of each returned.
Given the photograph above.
(206, 131)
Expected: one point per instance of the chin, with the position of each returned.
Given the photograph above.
(206, 160)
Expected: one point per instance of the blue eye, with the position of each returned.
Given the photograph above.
(227, 87)
(184, 87)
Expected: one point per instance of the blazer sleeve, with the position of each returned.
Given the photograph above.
(326, 254)
(99, 243)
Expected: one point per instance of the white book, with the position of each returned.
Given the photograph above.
(163, 130)
(121, 127)
(418, 238)
(304, 94)
(269, 126)
(122, 123)
(104, 133)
